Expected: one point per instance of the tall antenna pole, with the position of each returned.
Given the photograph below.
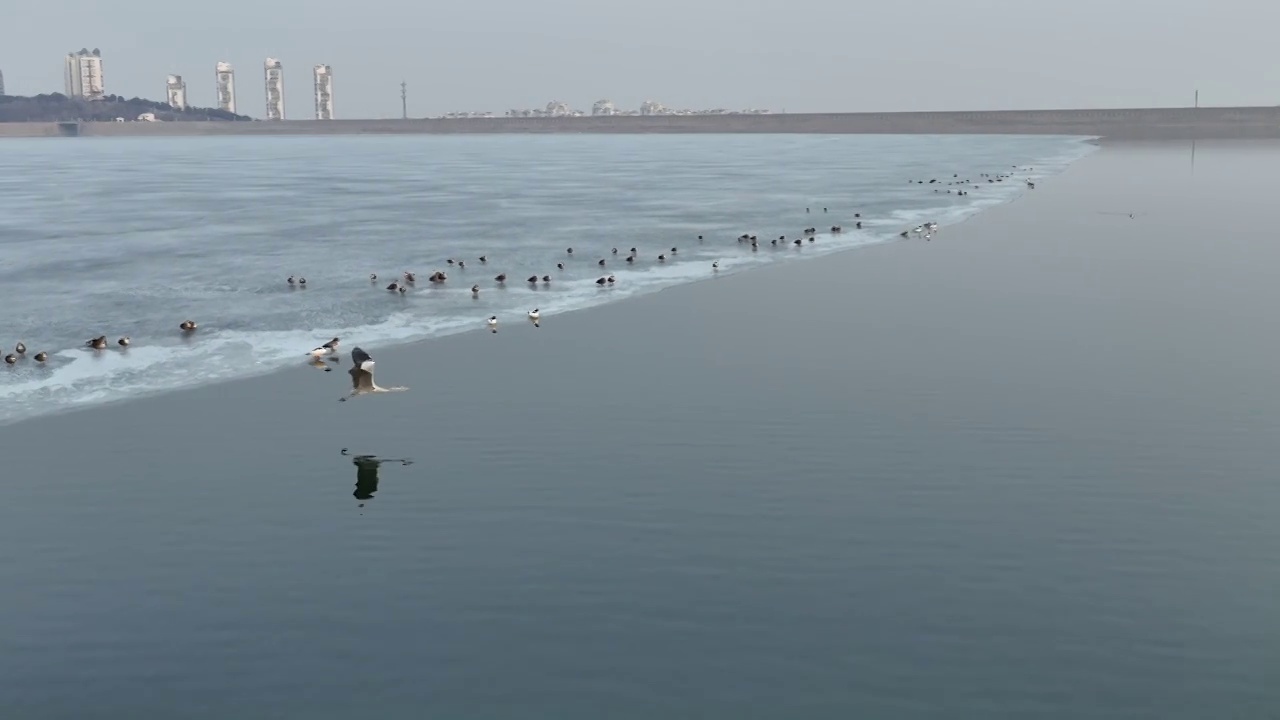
(404, 100)
(1197, 98)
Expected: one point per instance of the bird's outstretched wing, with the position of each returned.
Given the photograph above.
(361, 380)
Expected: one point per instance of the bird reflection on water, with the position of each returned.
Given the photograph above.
(367, 473)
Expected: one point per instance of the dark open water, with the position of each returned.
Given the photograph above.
(1024, 470)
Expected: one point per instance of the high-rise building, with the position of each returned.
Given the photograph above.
(176, 92)
(225, 86)
(83, 74)
(274, 75)
(324, 92)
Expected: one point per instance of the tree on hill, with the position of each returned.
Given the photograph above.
(56, 107)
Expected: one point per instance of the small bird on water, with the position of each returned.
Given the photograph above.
(535, 317)
(492, 322)
(328, 348)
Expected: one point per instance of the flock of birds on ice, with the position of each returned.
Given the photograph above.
(362, 364)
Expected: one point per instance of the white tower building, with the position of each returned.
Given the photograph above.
(273, 72)
(83, 74)
(175, 91)
(225, 86)
(324, 92)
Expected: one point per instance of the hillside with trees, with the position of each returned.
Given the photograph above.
(57, 107)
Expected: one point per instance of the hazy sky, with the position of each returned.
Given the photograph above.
(797, 55)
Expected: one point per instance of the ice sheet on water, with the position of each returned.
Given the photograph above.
(218, 249)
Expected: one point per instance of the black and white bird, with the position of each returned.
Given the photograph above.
(534, 317)
(328, 348)
(362, 376)
(492, 322)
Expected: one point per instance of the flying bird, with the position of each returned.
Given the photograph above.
(362, 376)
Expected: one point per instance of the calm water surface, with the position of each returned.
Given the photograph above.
(1026, 470)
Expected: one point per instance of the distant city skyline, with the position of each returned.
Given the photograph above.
(792, 55)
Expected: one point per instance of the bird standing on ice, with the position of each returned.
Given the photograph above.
(492, 322)
(362, 376)
(534, 317)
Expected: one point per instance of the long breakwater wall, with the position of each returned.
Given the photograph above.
(1119, 124)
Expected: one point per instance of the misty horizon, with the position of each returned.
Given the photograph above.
(797, 56)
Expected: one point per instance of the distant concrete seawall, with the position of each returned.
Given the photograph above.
(1121, 124)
